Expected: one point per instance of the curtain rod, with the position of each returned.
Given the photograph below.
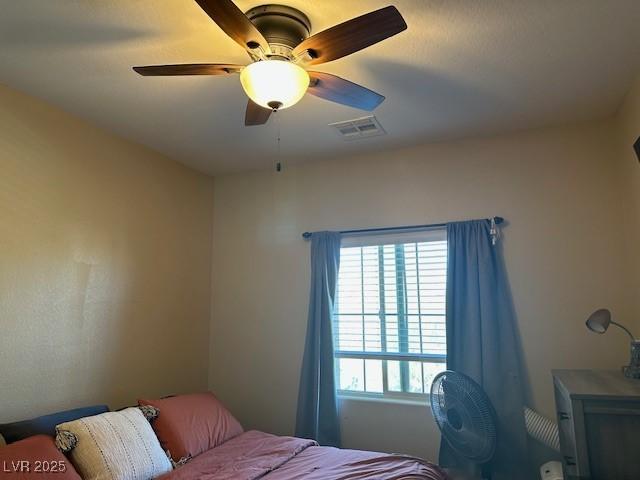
(308, 235)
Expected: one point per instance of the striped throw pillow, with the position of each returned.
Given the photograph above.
(114, 446)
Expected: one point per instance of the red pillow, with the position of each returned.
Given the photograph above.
(35, 457)
(188, 425)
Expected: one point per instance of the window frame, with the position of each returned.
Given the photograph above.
(398, 239)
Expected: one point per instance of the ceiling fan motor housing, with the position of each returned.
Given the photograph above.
(283, 27)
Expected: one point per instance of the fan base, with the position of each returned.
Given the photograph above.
(283, 27)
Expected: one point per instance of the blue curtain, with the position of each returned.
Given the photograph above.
(483, 340)
(317, 416)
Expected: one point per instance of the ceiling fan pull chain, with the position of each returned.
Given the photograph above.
(278, 162)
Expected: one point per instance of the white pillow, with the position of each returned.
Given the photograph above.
(115, 446)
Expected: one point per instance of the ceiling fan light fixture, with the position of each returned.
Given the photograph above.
(272, 83)
(279, 38)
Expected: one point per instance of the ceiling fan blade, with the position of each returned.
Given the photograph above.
(235, 24)
(255, 114)
(336, 89)
(189, 69)
(351, 36)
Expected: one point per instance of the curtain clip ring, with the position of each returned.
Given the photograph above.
(494, 232)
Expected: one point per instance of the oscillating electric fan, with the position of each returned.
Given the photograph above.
(465, 417)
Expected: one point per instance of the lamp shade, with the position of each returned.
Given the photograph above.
(599, 321)
(274, 84)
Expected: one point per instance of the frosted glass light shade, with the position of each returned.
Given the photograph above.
(274, 83)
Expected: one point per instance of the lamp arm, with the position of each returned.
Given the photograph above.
(625, 329)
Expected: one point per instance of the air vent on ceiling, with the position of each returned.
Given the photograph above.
(359, 128)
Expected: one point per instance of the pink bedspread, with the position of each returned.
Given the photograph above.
(246, 457)
(256, 455)
(327, 463)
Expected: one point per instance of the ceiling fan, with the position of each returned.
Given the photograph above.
(276, 37)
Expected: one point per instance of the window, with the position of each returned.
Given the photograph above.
(389, 318)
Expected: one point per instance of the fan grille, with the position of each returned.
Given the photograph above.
(464, 415)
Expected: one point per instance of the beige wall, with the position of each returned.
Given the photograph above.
(104, 266)
(105, 252)
(559, 190)
(628, 128)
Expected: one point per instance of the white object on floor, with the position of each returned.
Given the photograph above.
(551, 471)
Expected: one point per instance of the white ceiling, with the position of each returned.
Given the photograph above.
(463, 68)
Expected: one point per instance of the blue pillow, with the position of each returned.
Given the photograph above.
(12, 432)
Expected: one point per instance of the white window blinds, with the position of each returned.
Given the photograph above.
(389, 322)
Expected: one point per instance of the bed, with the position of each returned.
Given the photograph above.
(256, 455)
(240, 455)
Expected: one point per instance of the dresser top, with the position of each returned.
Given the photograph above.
(597, 384)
